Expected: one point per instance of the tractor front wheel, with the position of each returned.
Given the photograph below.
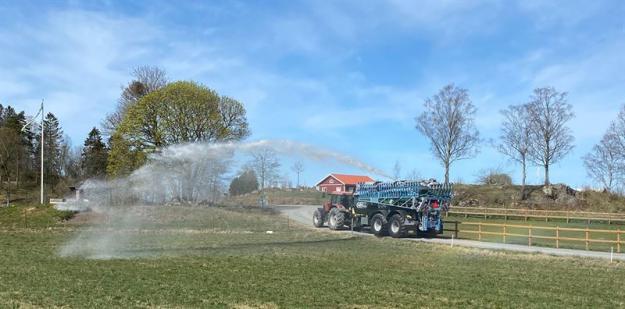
(318, 217)
(378, 225)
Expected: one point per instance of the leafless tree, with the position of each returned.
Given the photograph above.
(551, 140)
(617, 129)
(448, 123)
(266, 166)
(145, 80)
(514, 141)
(233, 120)
(605, 162)
(396, 171)
(298, 168)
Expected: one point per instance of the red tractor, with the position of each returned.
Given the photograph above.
(335, 212)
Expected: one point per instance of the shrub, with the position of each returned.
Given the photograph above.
(495, 178)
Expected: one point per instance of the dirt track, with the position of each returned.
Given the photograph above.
(303, 215)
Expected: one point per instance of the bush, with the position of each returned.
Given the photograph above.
(495, 178)
(244, 183)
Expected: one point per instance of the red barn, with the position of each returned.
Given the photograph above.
(339, 183)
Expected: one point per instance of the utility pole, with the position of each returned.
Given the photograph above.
(42, 130)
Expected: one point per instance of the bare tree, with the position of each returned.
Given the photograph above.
(515, 138)
(605, 162)
(265, 164)
(551, 139)
(396, 171)
(145, 80)
(448, 123)
(617, 128)
(298, 168)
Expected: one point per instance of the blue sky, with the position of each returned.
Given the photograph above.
(349, 76)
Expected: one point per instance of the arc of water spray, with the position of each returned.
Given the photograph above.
(283, 147)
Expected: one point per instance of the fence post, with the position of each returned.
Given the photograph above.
(479, 231)
(504, 233)
(587, 238)
(557, 236)
(456, 228)
(618, 240)
(567, 216)
(529, 236)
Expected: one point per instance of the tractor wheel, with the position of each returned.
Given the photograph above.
(318, 217)
(336, 219)
(378, 225)
(396, 226)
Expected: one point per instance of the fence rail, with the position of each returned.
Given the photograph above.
(504, 232)
(538, 214)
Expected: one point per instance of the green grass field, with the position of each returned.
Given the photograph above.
(198, 257)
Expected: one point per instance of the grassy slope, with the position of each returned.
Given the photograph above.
(507, 196)
(280, 197)
(294, 267)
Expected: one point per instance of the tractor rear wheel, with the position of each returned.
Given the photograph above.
(396, 226)
(378, 225)
(336, 219)
(318, 217)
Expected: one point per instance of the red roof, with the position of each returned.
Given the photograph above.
(349, 179)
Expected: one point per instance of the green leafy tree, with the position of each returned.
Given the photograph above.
(180, 112)
(94, 156)
(123, 158)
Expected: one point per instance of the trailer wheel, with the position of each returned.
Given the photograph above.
(378, 225)
(318, 217)
(396, 226)
(336, 219)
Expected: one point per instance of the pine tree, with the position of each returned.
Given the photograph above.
(53, 139)
(94, 155)
(22, 162)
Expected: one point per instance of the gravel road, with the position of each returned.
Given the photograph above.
(303, 214)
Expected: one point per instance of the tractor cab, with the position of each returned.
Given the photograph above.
(341, 201)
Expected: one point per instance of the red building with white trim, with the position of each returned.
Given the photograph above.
(340, 183)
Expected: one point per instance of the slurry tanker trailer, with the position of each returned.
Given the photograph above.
(393, 208)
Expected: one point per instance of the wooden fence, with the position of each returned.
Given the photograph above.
(504, 232)
(538, 214)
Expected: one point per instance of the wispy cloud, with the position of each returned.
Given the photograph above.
(337, 73)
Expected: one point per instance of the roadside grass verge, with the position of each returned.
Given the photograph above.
(240, 265)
